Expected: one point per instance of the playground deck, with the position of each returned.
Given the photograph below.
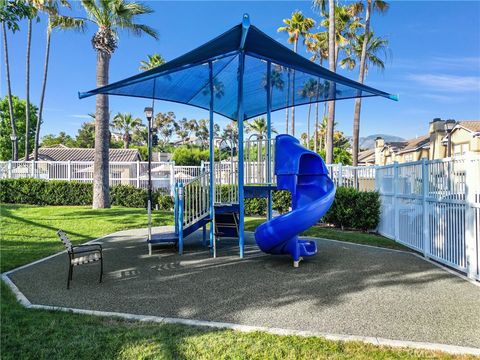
(345, 289)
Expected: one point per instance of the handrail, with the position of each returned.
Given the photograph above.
(193, 200)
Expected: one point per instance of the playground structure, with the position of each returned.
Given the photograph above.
(231, 75)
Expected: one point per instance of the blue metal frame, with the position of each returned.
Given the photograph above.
(240, 119)
(269, 138)
(211, 164)
(180, 218)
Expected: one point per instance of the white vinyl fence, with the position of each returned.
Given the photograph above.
(164, 174)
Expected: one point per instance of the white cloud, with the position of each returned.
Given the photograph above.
(444, 82)
(81, 116)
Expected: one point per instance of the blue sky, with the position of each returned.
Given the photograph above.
(434, 62)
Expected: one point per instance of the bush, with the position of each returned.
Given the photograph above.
(185, 156)
(55, 192)
(354, 209)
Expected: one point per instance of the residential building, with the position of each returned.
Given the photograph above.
(464, 137)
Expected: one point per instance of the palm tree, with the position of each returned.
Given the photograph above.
(109, 17)
(152, 61)
(259, 126)
(276, 81)
(127, 124)
(381, 6)
(54, 20)
(297, 27)
(331, 65)
(317, 44)
(27, 83)
(11, 14)
(309, 91)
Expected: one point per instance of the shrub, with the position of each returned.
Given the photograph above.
(186, 156)
(354, 209)
(55, 192)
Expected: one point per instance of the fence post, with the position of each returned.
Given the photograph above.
(426, 215)
(172, 177)
(471, 182)
(340, 174)
(33, 169)
(9, 169)
(138, 174)
(69, 170)
(395, 201)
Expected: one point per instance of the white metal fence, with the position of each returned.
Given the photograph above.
(430, 206)
(164, 174)
(434, 207)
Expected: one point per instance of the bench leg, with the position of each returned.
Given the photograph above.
(70, 274)
(101, 269)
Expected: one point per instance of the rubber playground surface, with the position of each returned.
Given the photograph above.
(345, 289)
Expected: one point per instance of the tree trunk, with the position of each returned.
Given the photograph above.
(331, 64)
(9, 95)
(308, 125)
(101, 196)
(361, 76)
(295, 46)
(42, 95)
(27, 90)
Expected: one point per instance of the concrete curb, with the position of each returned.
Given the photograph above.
(450, 349)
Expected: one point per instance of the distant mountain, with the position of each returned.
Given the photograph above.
(368, 142)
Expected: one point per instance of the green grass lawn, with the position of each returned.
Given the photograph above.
(28, 233)
(356, 237)
(39, 334)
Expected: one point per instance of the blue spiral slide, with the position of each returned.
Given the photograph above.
(304, 174)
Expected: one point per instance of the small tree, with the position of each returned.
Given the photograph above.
(19, 107)
(127, 124)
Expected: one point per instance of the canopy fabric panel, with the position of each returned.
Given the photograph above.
(294, 79)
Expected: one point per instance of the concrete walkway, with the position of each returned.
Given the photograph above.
(345, 289)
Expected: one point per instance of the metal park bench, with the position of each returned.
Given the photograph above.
(80, 254)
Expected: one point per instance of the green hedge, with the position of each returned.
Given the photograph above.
(351, 208)
(55, 192)
(354, 209)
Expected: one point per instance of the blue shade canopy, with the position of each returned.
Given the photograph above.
(295, 80)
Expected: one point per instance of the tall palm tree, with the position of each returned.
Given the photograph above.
(27, 85)
(9, 95)
(332, 67)
(12, 13)
(297, 27)
(309, 91)
(381, 6)
(151, 62)
(110, 17)
(54, 20)
(317, 44)
(276, 80)
(127, 124)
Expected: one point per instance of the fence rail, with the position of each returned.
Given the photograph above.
(164, 174)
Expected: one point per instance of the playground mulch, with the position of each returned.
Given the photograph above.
(345, 289)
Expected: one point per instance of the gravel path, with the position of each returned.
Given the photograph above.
(345, 289)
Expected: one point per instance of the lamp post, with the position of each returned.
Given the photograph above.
(13, 137)
(149, 115)
(449, 125)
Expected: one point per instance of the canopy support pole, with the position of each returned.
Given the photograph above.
(269, 138)
(240, 118)
(211, 165)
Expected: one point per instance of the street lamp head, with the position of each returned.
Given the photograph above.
(148, 112)
(13, 137)
(449, 125)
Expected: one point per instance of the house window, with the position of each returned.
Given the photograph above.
(408, 157)
(460, 149)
